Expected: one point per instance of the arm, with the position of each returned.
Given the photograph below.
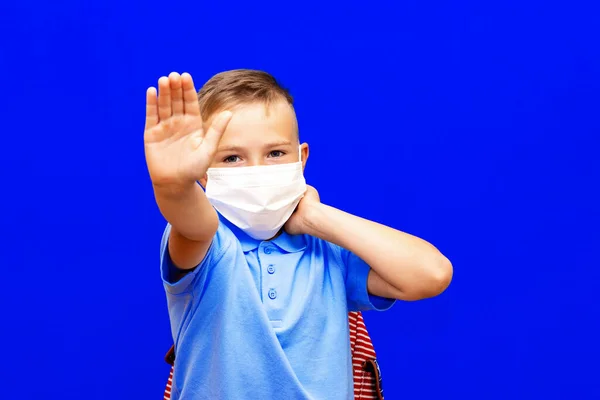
(402, 266)
(178, 153)
(193, 223)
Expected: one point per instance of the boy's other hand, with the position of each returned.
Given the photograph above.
(178, 150)
(298, 224)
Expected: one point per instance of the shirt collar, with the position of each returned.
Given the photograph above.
(286, 242)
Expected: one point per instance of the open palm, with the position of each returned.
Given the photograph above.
(178, 150)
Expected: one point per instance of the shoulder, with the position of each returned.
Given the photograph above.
(222, 240)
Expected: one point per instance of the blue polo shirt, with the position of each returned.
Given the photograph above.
(265, 319)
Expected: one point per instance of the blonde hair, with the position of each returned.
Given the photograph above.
(239, 87)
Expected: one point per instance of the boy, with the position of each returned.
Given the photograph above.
(259, 274)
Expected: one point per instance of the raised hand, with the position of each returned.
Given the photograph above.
(300, 221)
(178, 150)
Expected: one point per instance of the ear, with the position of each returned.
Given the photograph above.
(304, 154)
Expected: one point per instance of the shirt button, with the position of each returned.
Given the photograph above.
(271, 269)
(268, 250)
(272, 294)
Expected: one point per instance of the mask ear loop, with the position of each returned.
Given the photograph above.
(300, 153)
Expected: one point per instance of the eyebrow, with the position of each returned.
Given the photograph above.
(279, 143)
(235, 149)
(240, 149)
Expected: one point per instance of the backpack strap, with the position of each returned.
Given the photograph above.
(170, 356)
(372, 366)
(367, 376)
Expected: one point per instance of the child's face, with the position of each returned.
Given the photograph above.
(257, 135)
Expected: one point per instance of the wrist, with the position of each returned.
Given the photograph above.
(174, 190)
(314, 220)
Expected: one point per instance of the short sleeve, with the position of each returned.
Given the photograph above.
(357, 273)
(221, 242)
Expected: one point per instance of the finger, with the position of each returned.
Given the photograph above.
(190, 97)
(151, 108)
(164, 98)
(176, 93)
(216, 130)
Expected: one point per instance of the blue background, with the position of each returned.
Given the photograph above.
(472, 124)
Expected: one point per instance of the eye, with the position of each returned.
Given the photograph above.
(231, 159)
(276, 153)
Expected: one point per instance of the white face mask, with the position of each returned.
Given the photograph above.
(258, 200)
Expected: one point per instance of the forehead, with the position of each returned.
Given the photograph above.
(253, 124)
